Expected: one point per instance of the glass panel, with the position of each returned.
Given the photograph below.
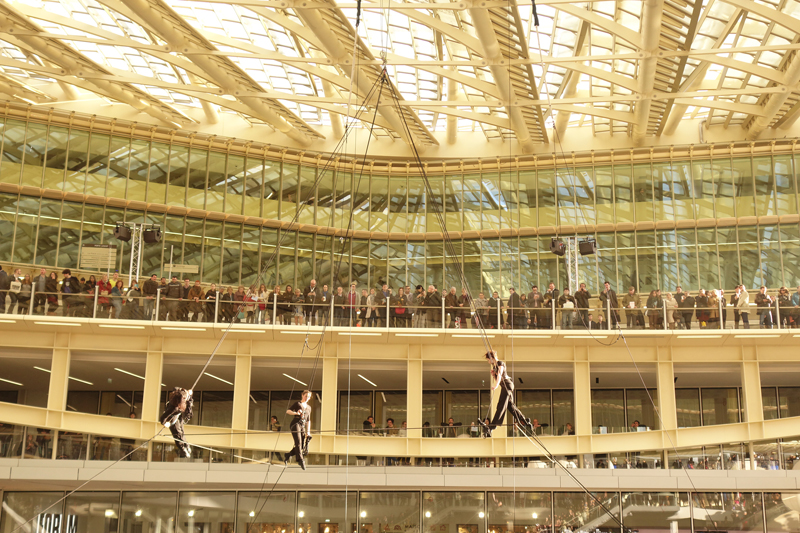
(231, 253)
(34, 152)
(235, 184)
(640, 407)
(388, 511)
(215, 189)
(272, 189)
(563, 412)
(643, 192)
(789, 401)
(354, 410)
(92, 512)
(397, 265)
(206, 511)
(25, 240)
(687, 257)
(148, 511)
(327, 512)
(707, 257)
(492, 202)
(608, 409)
(790, 252)
(196, 180)
(55, 158)
(749, 257)
(69, 240)
(415, 264)
(379, 206)
(703, 185)
(178, 175)
(771, 271)
(581, 513)
(519, 512)
(416, 205)
(13, 146)
(666, 251)
(217, 409)
(647, 262)
(344, 199)
(720, 406)
(212, 252)
(38, 507)
(764, 186)
(435, 205)
(461, 512)
(725, 191)
(305, 260)
(687, 402)
(119, 159)
(656, 512)
(269, 511)
(159, 170)
(250, 267)
(743, 187)
(626, 258)
(662, 191)
(431, 413)
(527, 199)
(777, 507)
(140, 167)
(785, 194)
(97, 164)
(584, 196)
(47, 239)
(547, 198)
(730, 276)
(75, 179)
(536, 405)
(769, 401)
(462, 408)
(471, 197)
(731, 511)
(289, 192)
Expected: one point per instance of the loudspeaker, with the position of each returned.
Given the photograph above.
(558, 247)
(122, 233)
(587, 247)
(151, 236)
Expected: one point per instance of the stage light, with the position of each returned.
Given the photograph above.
(558, 247)
(122, 233)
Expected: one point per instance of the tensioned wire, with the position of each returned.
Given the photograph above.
(418, 160)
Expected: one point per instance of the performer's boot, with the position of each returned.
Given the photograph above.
(301, 462)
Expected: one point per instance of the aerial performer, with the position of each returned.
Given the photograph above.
(176, 414)
(301, 429)
(505, 402)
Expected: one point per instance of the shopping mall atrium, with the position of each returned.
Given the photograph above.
(209, 207)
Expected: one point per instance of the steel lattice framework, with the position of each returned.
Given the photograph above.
(628, 68)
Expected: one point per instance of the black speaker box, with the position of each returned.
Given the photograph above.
(151, 236)
(122, 233)
(587, 247)
(558, 247)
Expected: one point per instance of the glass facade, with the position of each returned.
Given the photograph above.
(732, 190)
(373, 512)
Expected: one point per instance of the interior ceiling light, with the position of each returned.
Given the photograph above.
(218, 378)
(12, 382)
(295, 379)
(70, 377)
(368, 381)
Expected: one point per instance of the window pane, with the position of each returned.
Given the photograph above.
(643, 192)
(55, 158)
(92, 512)
(250, 267)
(231, 254)
(789, 401)
(178, 175)
(383, 511)
(212, 252)
(687, 257)
(140, 168)
(47, 239)
(416, 205)
(492, 202)
(764, 186)
(743, 187)
(271, 511)
(771, 271)
(462, 407)
(34, 505)
(790, 251)
(215, 189)
(687, 402)
(720, 406)
(235, 184)
(728, 258)
(69, 239)
(527, 199)
(398, 211)
(217, 409)
(657, 512)
(608, 409)
(536, 405)
(289, 192)
(569, 505)
(519, 511)
(462, 512)
(547, 198)
(785, 194)
(35, 150)
(193, 243)
(563, 412)
(379, 206)
(707, 257)
(119, 156)
(777, 506)
(646, 258)
(13, 145)
(666, 250)
(769, 402)
(27, 220)
(97, 164)
(159, 171)
(354, 410)
(206, 511)
(196, 181)
(640, 407)
(703, 185)
(272, 189)
(75, 179)
(324, 512)
(731, 511)
(148, 511)
(432, 414)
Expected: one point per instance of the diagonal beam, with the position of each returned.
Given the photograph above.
(775, 101)
(182, 37)
(339, 40)
(528, 124)
(650, 30)
(570, 84)
(22, 32)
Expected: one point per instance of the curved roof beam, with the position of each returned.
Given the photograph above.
(22, 32)
(161, 19)
(650, 30)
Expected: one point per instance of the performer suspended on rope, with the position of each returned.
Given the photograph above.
(505, 402)
(301, 429)
(176, 414)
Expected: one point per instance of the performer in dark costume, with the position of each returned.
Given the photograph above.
(177, 413)
(301, 429)
(505, 402)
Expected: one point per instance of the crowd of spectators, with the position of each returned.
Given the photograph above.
(106, 296)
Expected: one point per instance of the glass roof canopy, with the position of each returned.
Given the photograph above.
(631, 68)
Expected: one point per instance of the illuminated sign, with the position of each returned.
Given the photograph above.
(56, 523)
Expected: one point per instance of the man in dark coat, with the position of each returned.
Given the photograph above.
(433, 301)
(687, 309)
(582, 297)
(515, 310)
(608, 299)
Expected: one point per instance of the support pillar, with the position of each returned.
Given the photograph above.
(151, 401)
(665, 383)
(583, 398)
(330, 393)
(241, 392)
(414, 395)
(751, 392)
(59, 380)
